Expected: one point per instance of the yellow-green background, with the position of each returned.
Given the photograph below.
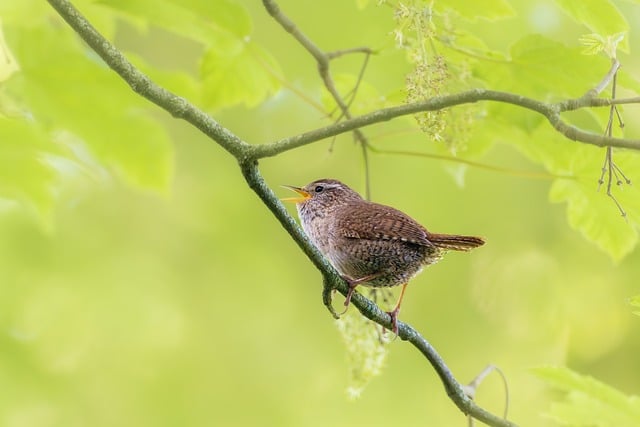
(195, 308)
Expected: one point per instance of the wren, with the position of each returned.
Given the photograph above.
(368, 243)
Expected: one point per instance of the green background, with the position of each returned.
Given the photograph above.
(181, 301)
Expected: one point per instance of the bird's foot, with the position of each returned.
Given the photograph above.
(394, 320)
(327, 297)
(347, 301)
(394, 313)
(353, 283)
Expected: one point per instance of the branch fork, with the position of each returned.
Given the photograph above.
(248, 155)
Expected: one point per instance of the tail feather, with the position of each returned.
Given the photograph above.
(455, 242)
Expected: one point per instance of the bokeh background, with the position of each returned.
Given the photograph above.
(195, 308)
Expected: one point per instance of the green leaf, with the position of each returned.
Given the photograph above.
(599, 16)
(178, 82)
(227, 14)
(67, 89)
(246, 75)
(595, 43)
(220, 24)
(635, 303)
(140, 151)
(592, 212)
(24, 175)
(8, 64)
(30, 13)
(578, 167)
(466, 45)
(536, 61)
(588, 402)
(233, 69)
(472, 10)
(532, 70)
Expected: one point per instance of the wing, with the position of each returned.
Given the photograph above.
(373, 221)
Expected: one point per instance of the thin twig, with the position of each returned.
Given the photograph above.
(239, 149)
(609, 168)
(611, 75)
(247, 156)
(472, 387)
(338, 53)
(323, 62)
(351, 95)
(479, 165)
(582, 102)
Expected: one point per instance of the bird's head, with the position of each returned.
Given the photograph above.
(322, 193)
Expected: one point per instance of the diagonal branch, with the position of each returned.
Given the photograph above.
(141, 84)
(455, 390)
(608, 78)
(247, 156)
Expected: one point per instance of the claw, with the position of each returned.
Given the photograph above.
(347, 301)
(353, 283)
(327, 297)
(394, 313)
(394, 320)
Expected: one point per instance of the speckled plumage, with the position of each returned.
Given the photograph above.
(368, 243)
(362, 238)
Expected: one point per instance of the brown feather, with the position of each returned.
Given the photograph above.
(455, 242)
(372, 221)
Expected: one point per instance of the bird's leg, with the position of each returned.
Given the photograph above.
(394, 313)
(353, 283)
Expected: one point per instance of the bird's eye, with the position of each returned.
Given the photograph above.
(318, 188)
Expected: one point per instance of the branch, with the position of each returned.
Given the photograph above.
(551, 111)
(597, 90)
(323, 60)
(240, 150)
(455, 390)
(247, 156)
(180, 108)
(574, 104)
(342, 52)
(141, 84)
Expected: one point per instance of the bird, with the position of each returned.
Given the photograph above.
(368, 243)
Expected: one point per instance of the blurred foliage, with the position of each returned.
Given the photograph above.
(141, 283)
(588, 401)
(366, 347)
(635, 302)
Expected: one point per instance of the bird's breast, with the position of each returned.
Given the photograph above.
(316, 225)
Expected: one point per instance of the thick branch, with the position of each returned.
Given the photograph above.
(550, 111)
(180, 108)
(247, 157)
(238, 149)
(370, 310)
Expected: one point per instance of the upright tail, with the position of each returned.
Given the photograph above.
(455, 242)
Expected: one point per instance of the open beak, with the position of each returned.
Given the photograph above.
(304, 195)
